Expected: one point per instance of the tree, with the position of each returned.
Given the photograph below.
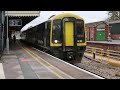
(114, 15)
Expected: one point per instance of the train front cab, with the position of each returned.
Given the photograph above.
(68, 37)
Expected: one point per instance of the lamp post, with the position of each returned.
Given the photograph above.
(3, 30)
(7, 41)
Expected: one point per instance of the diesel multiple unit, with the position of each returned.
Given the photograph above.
(62, 35)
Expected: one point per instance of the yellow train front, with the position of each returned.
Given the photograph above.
(67, 39)
(63, 35)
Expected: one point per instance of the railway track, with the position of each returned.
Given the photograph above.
(100, 68)
(78, 66)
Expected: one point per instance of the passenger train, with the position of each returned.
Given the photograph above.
(61, 35)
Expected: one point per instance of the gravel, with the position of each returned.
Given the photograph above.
(100, 68)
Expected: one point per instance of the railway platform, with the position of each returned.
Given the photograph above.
(117, 42)
(25, 62)
(106, 45)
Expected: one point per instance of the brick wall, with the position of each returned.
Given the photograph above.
(115, 36)
(91, 29)
(105, 46)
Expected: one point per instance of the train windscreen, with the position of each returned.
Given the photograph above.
(80, 31)
(56, 31)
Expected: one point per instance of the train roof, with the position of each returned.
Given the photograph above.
(29, 25)
(61, 16)
(43, 19)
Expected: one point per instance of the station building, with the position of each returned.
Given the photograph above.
(97, 31)
(102, 34)
(115, 30)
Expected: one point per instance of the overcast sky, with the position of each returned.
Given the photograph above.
(88, 16)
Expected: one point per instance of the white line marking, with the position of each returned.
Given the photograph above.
(2, 75)
(37, 75)
(69, 64)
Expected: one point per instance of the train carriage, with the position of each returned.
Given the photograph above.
(62, 35)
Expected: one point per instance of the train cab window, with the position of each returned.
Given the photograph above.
(56, 31)
(80, 30)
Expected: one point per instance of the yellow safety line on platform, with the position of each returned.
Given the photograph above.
(51, 65)
(42, 64)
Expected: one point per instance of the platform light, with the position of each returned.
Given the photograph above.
(7, 40)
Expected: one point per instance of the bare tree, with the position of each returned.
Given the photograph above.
(114, 15)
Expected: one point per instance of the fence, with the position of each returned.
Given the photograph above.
(101, 52)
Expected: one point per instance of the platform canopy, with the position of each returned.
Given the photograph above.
(22, 13)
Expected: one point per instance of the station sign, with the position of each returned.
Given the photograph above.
(15, 22)
(100, 29)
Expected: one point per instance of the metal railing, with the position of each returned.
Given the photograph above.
(101, 52)
(113, 54)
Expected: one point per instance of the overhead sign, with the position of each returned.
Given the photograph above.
(15, 22)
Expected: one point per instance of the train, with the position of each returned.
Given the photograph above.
(63, 36)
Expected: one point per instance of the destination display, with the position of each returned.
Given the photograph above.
(15, 22)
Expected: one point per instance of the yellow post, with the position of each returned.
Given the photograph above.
(94, 51)
(101, 53)
(108, 55)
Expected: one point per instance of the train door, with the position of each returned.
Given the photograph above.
(69, 34)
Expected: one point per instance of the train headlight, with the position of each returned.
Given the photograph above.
(79, 41)
(56, 41)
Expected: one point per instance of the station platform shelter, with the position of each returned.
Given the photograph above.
(15, 21)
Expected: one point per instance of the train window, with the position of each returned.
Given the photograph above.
(56, 33)
(80, 30)
(80, 27)
(48, 26)
(38, 28)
